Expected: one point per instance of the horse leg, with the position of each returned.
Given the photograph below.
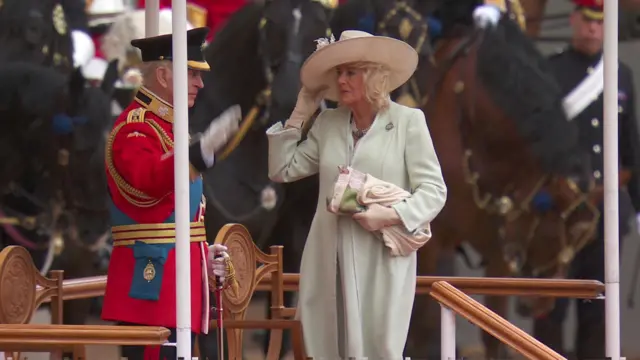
(494, 349)
(423, 341)
(548, 329)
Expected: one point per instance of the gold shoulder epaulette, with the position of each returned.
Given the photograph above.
(136, 116)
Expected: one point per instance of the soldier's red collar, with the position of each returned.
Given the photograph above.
(155, 104)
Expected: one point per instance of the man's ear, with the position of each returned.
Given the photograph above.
(162, 75)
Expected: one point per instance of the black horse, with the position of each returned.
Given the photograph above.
(52, 177)
(255, 62)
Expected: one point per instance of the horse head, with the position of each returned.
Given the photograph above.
(267, 60)
(255, 61)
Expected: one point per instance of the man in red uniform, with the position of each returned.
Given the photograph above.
(141, 281)
(217, 12)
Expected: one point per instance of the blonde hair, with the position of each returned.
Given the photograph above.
(376, 84)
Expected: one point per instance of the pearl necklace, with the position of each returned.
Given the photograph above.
(357, 133)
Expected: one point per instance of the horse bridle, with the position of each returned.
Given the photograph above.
(258, 116)
(508, 206)
(411, 89)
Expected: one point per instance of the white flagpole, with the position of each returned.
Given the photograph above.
(181, 158)
(611, 215)
(151, 18)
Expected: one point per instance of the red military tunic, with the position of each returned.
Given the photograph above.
(218, 11)
(140, 175)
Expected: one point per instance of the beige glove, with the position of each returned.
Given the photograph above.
(307, 104)
(376, 217)
(220, 131)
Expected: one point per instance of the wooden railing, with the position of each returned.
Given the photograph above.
(90, 287)
(35, 337)
(454, 299)
(23, 289)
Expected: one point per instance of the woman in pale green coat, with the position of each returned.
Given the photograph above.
(355, 299)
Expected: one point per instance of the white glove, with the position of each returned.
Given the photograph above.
(217, 266)
(485, 15)
(307, 104)
(220, 131)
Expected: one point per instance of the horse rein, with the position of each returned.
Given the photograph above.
(511, 207)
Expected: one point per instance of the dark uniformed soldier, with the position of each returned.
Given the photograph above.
(580, 73)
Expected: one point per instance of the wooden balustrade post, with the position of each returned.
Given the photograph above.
(448, 333)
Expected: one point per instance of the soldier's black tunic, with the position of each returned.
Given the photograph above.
(571, 67)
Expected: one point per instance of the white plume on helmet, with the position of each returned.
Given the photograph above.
(116, 43)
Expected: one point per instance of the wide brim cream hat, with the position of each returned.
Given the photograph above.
(318, 71)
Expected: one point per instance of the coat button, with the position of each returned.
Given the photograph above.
(595, 122)
(597, 174)
(590, 70)
(620, 109)
(596, 149)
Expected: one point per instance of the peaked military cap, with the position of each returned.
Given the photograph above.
(158, 48)
(592, 9)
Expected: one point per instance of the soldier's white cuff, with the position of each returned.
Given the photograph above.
(208, 158)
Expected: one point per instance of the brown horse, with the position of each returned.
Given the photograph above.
(506, 149)
(506, 152)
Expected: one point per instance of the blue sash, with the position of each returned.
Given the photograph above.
(150, 258)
